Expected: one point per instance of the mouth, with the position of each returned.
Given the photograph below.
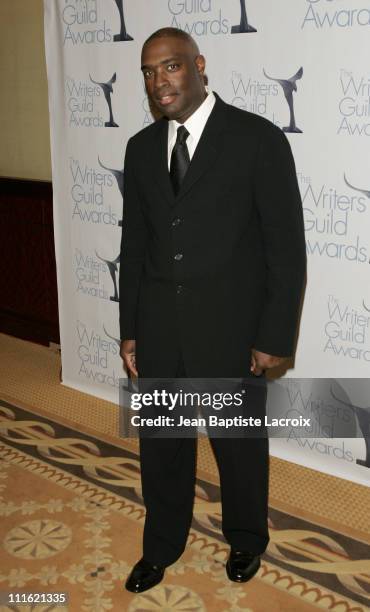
(167, 99)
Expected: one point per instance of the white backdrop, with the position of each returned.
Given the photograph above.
(88, 71)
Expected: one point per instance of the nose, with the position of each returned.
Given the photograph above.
(160, 79)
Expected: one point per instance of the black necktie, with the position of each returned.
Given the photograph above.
(180, 159)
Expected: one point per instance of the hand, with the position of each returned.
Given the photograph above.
(263, 361)
(128, 354)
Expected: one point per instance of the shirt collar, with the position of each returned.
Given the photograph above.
(197, 120)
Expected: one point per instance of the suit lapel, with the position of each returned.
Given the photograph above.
(159, 162)
(209, 147)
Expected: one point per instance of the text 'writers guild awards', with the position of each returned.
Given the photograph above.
(118, 175)
(366, 193)
(108, 90)
(244, 27)
(288, 86)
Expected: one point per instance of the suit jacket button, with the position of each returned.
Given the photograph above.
(179, 288)
(178, 256)
(176, 222)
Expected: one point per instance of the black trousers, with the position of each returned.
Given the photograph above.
(168, 469)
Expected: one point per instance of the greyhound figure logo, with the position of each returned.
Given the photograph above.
(364, 191)
(289, 85)
(118, 175)
(116, 340)
(363, 420)
(244, 27)
(123, 32)
(108, 90)
(113, 269)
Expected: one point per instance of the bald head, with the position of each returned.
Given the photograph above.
(177, 34)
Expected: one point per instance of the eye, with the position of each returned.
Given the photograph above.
(147, 74)
(172, 67)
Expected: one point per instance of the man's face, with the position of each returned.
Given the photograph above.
(173, 76)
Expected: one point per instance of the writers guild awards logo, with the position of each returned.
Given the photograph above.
(108, 90)
(244, 27)
(289, 85)
(113, 269)
(363, 420)
(118, 175)
(123, 33)
(116, 340)
(364, 191)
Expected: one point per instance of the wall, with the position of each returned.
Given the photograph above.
(24, 120)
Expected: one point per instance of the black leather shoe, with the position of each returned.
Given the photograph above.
(144, 576)
(242, 566)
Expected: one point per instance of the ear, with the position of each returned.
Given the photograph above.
(200, 63)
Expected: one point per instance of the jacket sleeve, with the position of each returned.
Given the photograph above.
(133, 249)
(279, 206)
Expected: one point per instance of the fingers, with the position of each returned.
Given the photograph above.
(260, 362)
(128, 355)
(129, 363)
(256, 368)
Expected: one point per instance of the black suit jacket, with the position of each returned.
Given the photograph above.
(218, 269)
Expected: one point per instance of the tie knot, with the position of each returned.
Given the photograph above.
(182, 134)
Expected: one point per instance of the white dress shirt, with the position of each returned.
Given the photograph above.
(195, 125)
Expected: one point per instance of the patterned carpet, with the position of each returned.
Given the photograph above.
(72, 514)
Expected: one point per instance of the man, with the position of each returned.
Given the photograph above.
(211, 275)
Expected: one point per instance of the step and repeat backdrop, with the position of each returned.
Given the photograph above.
(305, 66)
